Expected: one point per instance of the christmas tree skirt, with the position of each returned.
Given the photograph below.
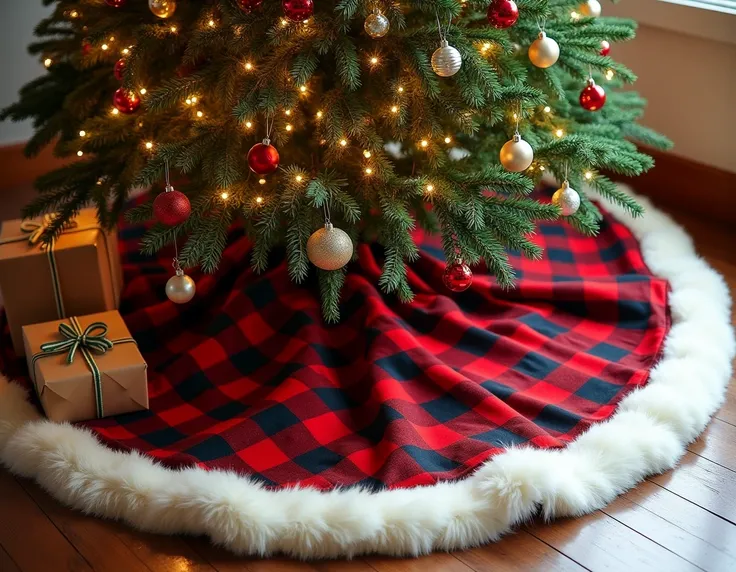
(405, 428)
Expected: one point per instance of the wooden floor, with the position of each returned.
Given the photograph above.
(682, 520)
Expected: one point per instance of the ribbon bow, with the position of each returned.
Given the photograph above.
(37, 228)
(92, 338)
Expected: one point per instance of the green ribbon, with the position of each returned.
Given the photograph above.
(92, 339)
(34, 231)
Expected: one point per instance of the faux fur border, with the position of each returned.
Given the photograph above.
(647, 435)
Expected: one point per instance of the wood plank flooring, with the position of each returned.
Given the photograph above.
(682, 520)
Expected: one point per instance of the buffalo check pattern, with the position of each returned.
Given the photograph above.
(248, 377)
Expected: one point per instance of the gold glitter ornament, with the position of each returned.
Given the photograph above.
(329, 248)
(162, 8)
(376, 25)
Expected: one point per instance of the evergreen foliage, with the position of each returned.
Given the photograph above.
(213, 74)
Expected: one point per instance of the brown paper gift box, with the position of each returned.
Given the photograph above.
(67, 391)
(88, 268)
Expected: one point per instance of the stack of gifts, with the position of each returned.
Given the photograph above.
(82, 366)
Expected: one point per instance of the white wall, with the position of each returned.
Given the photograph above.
(688, 77)
(17, 20)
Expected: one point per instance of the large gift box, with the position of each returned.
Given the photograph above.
(78, 273)
(86, 367)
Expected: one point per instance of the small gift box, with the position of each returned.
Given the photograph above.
(86, 368)
(77, 273)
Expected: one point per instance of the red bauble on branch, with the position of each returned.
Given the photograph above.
(126, 101)
(457, 276)
(298, 10)
(593, 96)
(248, 6)
(119, 69)
(502, 13)
(86, 48)
(171, 207)
(115, 3)
(263, 158)
(605, 48)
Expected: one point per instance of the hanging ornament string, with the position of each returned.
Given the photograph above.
(269, 128)
(326, 209)
(443, 33)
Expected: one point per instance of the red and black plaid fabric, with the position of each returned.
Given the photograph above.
(248, 376)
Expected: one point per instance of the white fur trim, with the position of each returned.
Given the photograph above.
(647, 435)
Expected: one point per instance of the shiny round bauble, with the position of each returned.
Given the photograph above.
(115, 3)
(263, 158)
(126, 101)
(516, 155)
(248, 6)
(180, 289)
(329, 248)
(544, 51)
(605, 48)
(446, 60)
(162, 8)
(119, 69)
(376, 25)
(593, 96)
(86, 48)
(502, 13)
(171, 208)
(298, 10)
(566, 199)
(590, 9)
(457, 276)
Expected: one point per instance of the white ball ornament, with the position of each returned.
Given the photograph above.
(329, 248)
(376, 25)
(591, 9)
(180, 288)
(544, 51)
(446, 60)
(516, 155)
(566, 199)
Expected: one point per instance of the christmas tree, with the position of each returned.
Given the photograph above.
(320, 123)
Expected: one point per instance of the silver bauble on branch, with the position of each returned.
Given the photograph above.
(162, 8)
(566, 199)
(180, 288)
(446, 60)
(516, 155)
(376, 25)
(544, 51)
(590, 8)
(329, 248)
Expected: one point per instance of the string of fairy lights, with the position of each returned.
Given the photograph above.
(263, 159)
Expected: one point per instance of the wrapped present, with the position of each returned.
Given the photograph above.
(86, 368)
(77, 273)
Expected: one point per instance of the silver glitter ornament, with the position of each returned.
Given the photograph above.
(376, 25)
(516, 155)
(591, 8)
(329, 248)
(566, 199)
(544, 51)
(180, 288)
(446, 60)
(162, 8)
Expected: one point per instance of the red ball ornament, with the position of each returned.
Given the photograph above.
(248, 6)
(119, 69)
(126, 101)
(263, 158)
(115, 3)
(593, 96)
(457, 276)
(86, 48)
(298, 10)
(605, 48)
(502, 13)
(171, 207)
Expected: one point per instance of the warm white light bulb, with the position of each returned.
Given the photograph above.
(259, 200)
(224, 196)
(261, 182)
(80, 153)
(367, 154)
(149, 144)
(448, 140)
(47, 62)
(289, 127)
(298, 178)
(343, 142)
(430, 188)
(82, 133)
